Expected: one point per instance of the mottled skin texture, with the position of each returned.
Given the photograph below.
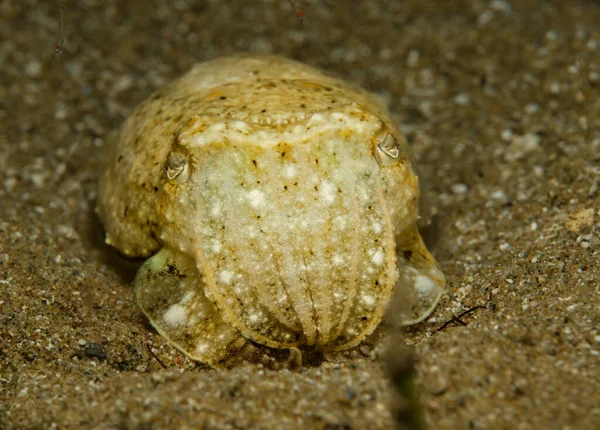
(282, 203)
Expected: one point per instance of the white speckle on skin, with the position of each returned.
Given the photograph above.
(377, 227)
(340, 222)
(194, 318)
(337, 260)
(327, 191)
(289, 171)
(337, 116)
(210, 134)
(215, 210)
(216, 247)
(186, 299)
(175, 315)
(368, 300)
(240, 126)
(202, 348)
(364, 196)
(256, 198)
(225, 276)
(315, 119)
(378, 257)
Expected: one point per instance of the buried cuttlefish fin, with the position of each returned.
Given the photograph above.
(421, 282)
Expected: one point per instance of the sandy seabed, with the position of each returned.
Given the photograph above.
(500, 100)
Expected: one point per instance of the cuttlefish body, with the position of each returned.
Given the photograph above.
(279, 205)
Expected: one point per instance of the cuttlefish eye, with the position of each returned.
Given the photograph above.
(386, 151)
(176, 168)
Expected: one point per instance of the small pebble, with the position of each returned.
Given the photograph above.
(506, 135)
(413, 58)
(500, 6)
(33, 69)
(461, 99)
(498, 195)
(95, 350)
(459, 188)
(532, 108)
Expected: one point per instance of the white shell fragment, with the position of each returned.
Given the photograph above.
(280, 205)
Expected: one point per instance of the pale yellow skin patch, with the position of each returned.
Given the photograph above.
(284, 204)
